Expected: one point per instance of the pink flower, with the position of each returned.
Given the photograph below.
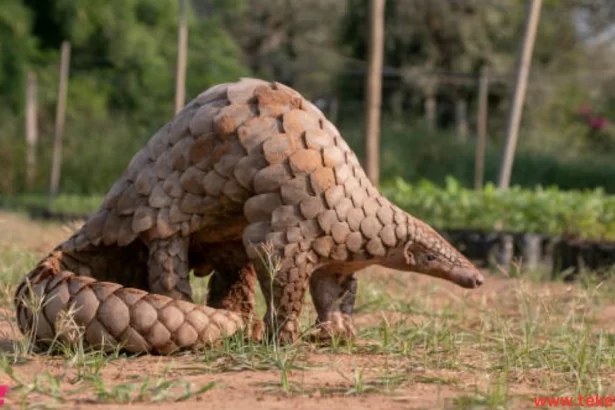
(597, 122)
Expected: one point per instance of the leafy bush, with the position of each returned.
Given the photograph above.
(589, 214)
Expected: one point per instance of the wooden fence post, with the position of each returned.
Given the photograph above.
(31, 129)
(481, 132)
(374, 90)
(60, 117)
(182, 45)
(523, 68)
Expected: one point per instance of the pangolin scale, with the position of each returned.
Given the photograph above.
(245, 167)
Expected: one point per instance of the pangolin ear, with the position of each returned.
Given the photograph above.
(408, 255)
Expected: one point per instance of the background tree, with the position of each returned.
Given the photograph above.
(123, 66)
(293, 41)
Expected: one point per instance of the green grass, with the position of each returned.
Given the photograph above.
(493, 350)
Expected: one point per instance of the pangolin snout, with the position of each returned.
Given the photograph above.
(468, 278)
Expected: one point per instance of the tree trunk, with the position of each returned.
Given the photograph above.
(430, 110)
(461, 118)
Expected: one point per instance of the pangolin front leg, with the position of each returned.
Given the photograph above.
(283, 274)
(284, 295)
(334, 297)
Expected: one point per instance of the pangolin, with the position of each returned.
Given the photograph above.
(248, 180)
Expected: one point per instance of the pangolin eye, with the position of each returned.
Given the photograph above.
(430, 258)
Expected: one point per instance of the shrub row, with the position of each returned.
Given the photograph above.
(588, 214)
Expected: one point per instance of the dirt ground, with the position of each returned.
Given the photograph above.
(424, 344)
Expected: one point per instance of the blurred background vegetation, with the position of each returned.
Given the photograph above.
(122, 81)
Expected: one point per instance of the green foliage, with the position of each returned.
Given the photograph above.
(413, 153)
(291, 41)
(436, 47)
(130, 48)
(16, 47)
(76, 205)
(121, 82)
(589, 213)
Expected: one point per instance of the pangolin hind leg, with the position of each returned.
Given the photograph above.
(112, 315)
(334, 296)
(233, 283)
(168, 268)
